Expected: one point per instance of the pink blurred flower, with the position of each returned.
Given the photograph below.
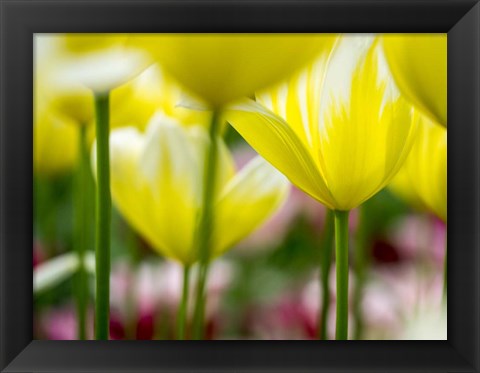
(284, 319)
(61, 323)
(420, 237)
(146, 298)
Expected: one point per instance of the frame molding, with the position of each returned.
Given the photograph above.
(19, 19)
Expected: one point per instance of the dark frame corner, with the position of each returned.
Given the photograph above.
(20, 19)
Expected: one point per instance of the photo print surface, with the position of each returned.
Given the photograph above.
(240, 186)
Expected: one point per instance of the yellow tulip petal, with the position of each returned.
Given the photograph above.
(74, 102)
(168, 164)
(225, 164)
(135, 102)
(129, 190)
(104, 70)
(83, 43)
(401, 186)
(277, 142)
(55, 143)
(297, 101)
(365, 127)
(419, 65)
(153, 185)
(246, 202)
(224, 67)
(426, 167)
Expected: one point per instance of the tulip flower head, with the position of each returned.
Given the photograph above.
(57, 60)
(132, 103)
(99, 62)
(419, 66)
(155, 185)
(223, 67)
(338, 130)
(58, 105)
(424, 173)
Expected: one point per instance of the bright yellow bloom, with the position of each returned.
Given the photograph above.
(58, 106)
(401, 186)
(155, 181)
(55, 143)
(422, 181)
(69, 66)
(222, 67)
(419, 65)
(55, 138)
(132, 103)
(338, 130)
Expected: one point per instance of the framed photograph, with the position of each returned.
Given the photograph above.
(240, 186)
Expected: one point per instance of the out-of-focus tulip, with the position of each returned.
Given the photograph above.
(135, 102)
(222, 68)
(419, 65)
(155, 186)
(402, 187)
(56, 59)
(100, 62)
(423, 178)
(72, 101)
(132, 102)
(59, 107)
(338, 130)
(55, 143)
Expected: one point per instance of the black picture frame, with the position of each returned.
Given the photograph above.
(20, 19)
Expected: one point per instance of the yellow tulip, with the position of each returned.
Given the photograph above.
(135, 102)
(55, 139)
(422, 181)
(99, 62)
(338, 130)
(222, 67)
(419, 65)
(69, 66)
(155, 185)
(54, 55)
(55, 144)
(132, 103)
(58, 107)
(402, 187)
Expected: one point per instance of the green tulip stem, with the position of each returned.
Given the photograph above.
(341, 252)
(361, 264)
(81, 231)
(103, 216)
(206, 223)
(325, 265)
(182, 310)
